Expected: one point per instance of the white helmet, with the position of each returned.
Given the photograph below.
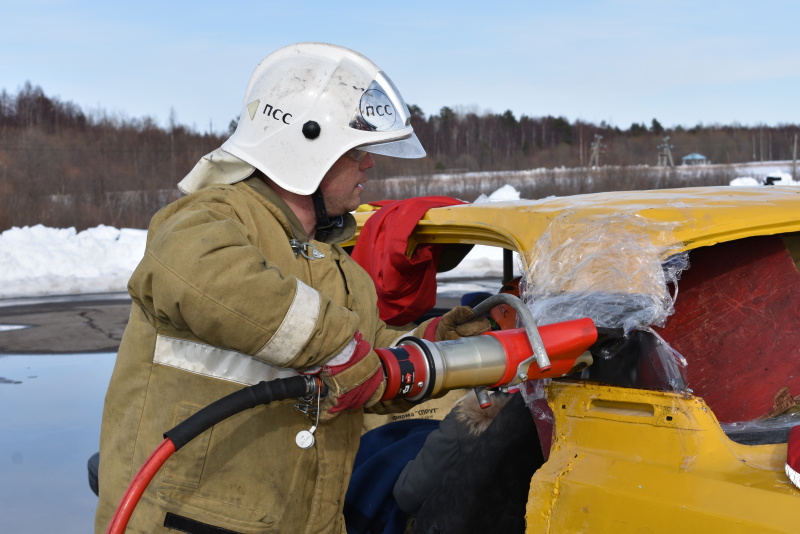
(305, 106)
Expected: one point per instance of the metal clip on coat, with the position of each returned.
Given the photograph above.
(302, 249)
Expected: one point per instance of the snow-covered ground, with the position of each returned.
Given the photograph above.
(758, 174)
(40, 261)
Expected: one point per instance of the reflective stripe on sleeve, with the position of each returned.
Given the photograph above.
(215, 362)
(296, 328)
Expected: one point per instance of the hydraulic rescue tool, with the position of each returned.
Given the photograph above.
(415, 370)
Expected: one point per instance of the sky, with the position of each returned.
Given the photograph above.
(619, 61)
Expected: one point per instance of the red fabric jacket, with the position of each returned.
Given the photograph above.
(406, 286)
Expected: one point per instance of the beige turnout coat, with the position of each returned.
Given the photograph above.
(220, 300)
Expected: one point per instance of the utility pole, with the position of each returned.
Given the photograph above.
(665, 153)
(597, 147)
(794, 158)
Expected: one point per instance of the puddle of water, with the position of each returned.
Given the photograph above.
(7, 327)
(49, 427)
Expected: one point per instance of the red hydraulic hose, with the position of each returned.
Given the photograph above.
(143, 477)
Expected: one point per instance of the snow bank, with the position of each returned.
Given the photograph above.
(37, 260)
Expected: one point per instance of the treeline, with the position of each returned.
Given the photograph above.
(62, 166)
(464, 140)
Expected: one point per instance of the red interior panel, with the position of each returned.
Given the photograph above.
(737, 323)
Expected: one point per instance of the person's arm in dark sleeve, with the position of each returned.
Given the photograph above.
(422, 475)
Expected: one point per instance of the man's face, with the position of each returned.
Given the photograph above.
(343, 183)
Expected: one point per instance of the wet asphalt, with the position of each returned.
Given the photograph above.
(63, 325)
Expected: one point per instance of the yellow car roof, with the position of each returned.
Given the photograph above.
(697, 216)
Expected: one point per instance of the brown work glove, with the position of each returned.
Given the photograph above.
(353, 381)
(461, 322)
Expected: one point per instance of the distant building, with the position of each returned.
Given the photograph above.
(694, 159)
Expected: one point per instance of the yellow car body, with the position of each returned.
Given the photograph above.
(625, 459)
(703, 216)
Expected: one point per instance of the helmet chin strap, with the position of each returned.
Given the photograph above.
(323, 222)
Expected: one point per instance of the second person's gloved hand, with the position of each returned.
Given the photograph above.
(461, 322)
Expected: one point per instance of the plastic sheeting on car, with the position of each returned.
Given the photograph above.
(614, 271)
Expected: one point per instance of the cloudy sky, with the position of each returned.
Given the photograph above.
(618, 61)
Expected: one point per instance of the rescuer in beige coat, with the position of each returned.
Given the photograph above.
(243, 281)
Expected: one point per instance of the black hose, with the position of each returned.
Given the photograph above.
(183, 433)
(239, 401)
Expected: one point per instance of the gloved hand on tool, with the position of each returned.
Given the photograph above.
(354, 378)
(461, 322)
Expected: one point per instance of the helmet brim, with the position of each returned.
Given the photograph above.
(408, 148)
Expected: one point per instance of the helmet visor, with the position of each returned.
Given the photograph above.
(408, 148)
(382, 109)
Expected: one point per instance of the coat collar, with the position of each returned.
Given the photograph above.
(338, 233)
